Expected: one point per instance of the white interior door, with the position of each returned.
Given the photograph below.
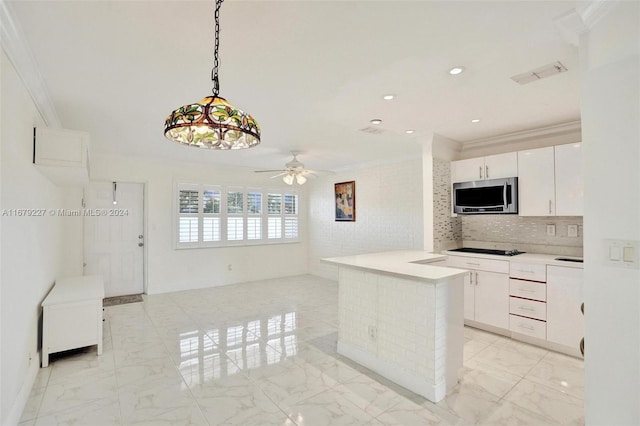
(113, 236)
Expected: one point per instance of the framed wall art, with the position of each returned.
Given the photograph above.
(345, 199)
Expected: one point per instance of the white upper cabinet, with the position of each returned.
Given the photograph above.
(490, 167)
(501, 166)
(62, 155)
(536, 182)
(467, 170)
(569, 180)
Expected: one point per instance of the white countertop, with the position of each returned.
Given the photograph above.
(403, 263)
(547, 259)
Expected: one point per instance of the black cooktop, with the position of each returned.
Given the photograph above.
(513, 252)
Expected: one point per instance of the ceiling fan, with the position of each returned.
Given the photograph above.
(294, 171)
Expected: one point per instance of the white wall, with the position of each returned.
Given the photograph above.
(610, 59)
(388, 213)
(31, 246)
(169, 269)
(72, 234)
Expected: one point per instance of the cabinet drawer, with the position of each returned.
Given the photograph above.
(528, 326)
(479, 264)
(528, 271)
(528, 290)
(528, 308)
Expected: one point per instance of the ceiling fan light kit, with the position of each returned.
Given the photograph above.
(294, 171)
(288, 179)
(298, 176)
(213, 122)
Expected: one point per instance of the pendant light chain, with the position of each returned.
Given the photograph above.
(212, 123)
(216, 62)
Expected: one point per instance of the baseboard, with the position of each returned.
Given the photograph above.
(23, 396)
(431, 391)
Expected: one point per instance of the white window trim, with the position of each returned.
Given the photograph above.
(224, 190)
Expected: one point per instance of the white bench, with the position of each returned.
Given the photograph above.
(72, 315)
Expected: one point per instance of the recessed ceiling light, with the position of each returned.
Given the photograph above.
(456, 70)
(376, 121)
(409, 131)
(475, 120)
(388, 97)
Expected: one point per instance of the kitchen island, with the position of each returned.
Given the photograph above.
(402, 317)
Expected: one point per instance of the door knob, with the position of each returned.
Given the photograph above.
(140, 236)
(140, 244)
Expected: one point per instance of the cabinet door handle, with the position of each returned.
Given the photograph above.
(480, 169)
(476, 278)
(526, 327)
(526, 308)
(549, 206)
(526, 290)
(486, 172)
(474, 264)
(471, 278)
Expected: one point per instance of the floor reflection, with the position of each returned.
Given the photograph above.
(222, 352)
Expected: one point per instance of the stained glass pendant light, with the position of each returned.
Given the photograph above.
(213, 122)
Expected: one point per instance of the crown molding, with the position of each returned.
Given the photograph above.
(558, 130)
(15, 46)
(579, 21)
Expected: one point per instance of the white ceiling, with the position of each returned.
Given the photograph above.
(312, 73)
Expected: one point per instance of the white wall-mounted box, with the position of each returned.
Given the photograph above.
(62, 155)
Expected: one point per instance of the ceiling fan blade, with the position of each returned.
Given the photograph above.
(268, 171)
(318, 171)
(281, 174)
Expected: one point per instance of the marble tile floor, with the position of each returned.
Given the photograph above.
(264, 353)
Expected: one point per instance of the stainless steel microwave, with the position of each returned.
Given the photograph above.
(492, 196)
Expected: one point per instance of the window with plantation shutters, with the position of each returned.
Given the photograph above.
(290, 216)
(211, 217)
(188, 229)
(254, 216)
(235, 216)
(216, 216)
(274, 216)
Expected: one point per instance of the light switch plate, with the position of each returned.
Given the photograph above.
(622, 253)
(551, 230)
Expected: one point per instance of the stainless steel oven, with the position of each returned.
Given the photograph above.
(492, 196)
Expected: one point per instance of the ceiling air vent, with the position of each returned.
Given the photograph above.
(372, 130)
(540, 73)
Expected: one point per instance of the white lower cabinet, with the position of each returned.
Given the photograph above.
(528, 308)
(565, 321)
(469, 297)
(527, 299)
(534, 302)
(486, 290)
(528, 326)
(492, 298)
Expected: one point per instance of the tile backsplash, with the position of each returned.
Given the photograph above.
(447, 230)
(524, 233)
(496, 231)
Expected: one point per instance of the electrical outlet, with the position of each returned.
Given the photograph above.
(373, 332)
(551, 230)
(572, 230)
